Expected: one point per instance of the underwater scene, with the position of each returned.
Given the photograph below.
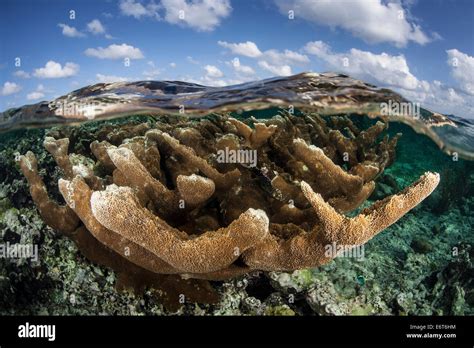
(208, 165)
(252, 208)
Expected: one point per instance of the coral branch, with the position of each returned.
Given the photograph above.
(195, 189)
(360, 229)
(254, 138)
(222, 181)
(60, 218)
(78, 196)
(59, 149)
(118, 209)
(322, 166)
(308, 249)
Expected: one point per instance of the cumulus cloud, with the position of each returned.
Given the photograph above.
(286, 57)
(95, 27)
(37, 94)
(274, 61)
(393, 72)
(440, 97)
(213, 71)
(247, 49)
(110, 78)
(201, 15)
(213, 77)
(372, 21)
(70, 31)
(21, 73)
(10, 88)
(456, 99)
(173, 65)
(462, 70)
(281, 70)
(381, 69)
(53, 70)
(115, 52)
(137, 10)
(239, 68)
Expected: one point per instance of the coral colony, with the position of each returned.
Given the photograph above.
(216, 198)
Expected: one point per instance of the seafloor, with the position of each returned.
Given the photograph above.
(422, 265)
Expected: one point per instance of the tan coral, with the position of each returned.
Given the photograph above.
(325, 169)
(195, 189)
(78, 195)
(222, 229)
(222, 181)
(358, 230)
(254, 138)
(60, 218)
(59, 149)
(99, 149)
(138, 177)
(118, 210)
(309, 249)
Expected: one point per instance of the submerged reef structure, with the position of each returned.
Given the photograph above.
(177, 202)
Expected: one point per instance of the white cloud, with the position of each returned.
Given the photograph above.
(136, 9)
(202, 15)
(247, 49)
(95, 27)
(21, 73)
(205, 80)
(239, 68)
(462, 70)
(373, 21)
(439, 97)
(173, 65)
(110, 78)
(151, 74)
(274, 61)
(389, 71)
(192, 60)
(70, 31)
(213, 77)
(115, 52)
(10, 88)
(213, 71)
(38, 94)
(281, 70)
(285, 57)
(381, 69)
(54, 70)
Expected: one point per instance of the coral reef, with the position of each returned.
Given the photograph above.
(157, 203)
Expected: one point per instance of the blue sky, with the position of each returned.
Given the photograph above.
(423, 49)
